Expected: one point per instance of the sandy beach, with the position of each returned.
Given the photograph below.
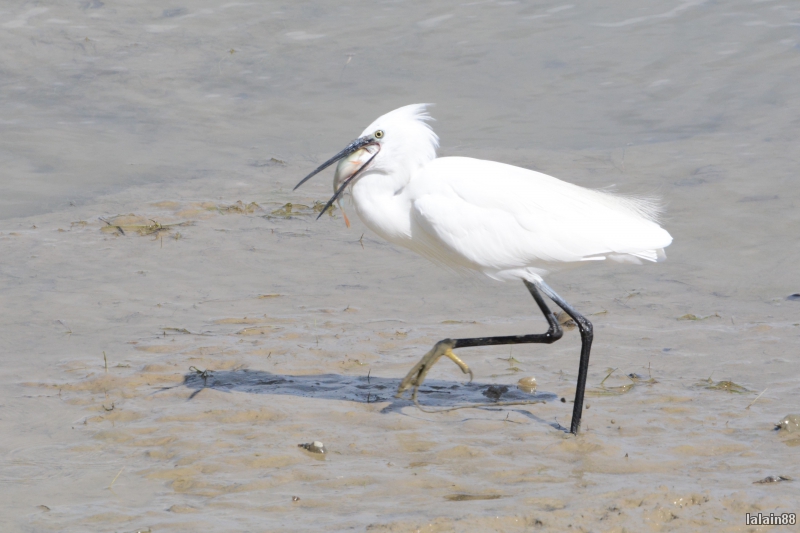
(175, 322)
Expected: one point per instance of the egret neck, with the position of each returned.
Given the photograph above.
(380, 192)
(383, 204)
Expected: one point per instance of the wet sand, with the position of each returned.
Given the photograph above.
(160, 369)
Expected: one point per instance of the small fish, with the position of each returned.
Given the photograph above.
(346, 169)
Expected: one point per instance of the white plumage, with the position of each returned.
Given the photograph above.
(504, 221)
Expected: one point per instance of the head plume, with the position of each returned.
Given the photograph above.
(408, 141)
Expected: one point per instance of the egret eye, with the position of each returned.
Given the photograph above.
(378, 134)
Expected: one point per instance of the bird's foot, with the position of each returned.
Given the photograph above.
(417, 374)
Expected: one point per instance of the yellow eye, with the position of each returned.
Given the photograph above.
(378, 134)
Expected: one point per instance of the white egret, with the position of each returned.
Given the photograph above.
(506, 222)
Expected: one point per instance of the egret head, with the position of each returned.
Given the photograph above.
(396, 143)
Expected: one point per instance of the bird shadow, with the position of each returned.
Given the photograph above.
(364, 389)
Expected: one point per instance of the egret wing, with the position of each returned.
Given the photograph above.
(487, 215)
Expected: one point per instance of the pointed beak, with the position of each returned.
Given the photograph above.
(363, 148)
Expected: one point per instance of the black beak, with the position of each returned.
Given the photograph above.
(352, 147)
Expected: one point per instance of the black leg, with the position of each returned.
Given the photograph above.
(587, 334)
(554, 332)
(445, 347)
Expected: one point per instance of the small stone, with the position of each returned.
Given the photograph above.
(313, 447)
(493, 392)
(773, 479)
(790, 424)
(563, 400)
(295, 498)
(527, 384)
(182, 509)
(794, 297)
(565, 320)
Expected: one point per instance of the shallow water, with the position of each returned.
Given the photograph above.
(174, 114)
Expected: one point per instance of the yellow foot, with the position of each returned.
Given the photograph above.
(417, 375)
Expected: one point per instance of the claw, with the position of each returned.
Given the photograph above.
(417, 374)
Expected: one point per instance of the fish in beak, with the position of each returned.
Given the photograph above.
(354, 159)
